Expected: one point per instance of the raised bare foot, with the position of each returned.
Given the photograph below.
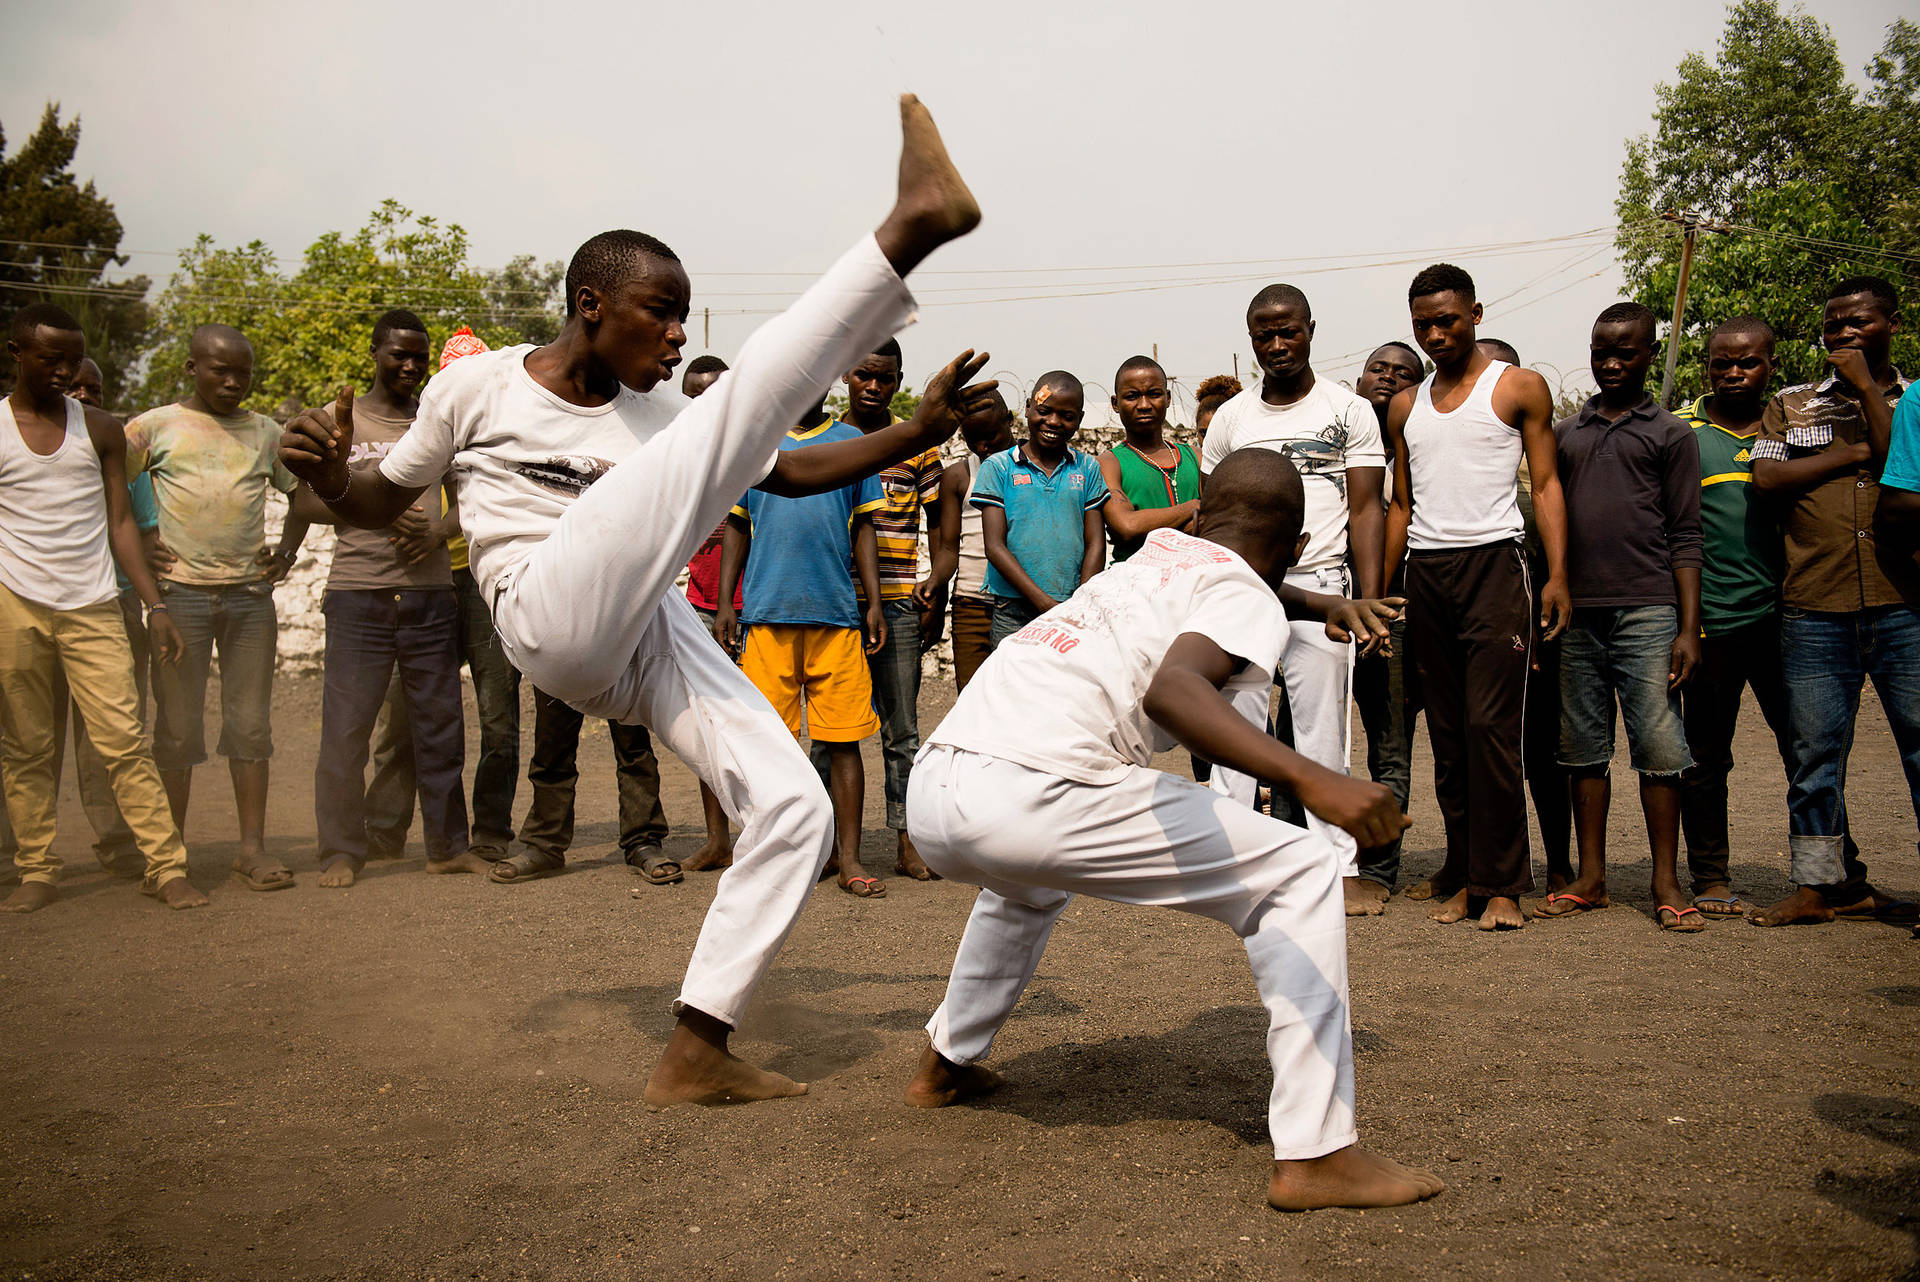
(465, 861)
(31, 897)
(1502, 913)
(1349, 1177)
(939, 1081)
(697, 1068)
(909, 863)
(1804, 905)
(178, 894)
(933, 205)
(1449, 910)
(1433, 888)
(716, 853)
(1364, 898)
(338, 873)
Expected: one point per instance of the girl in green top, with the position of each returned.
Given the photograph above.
(1154, 482)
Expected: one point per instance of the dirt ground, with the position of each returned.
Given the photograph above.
(439, 1078)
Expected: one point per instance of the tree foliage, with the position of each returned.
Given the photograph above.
(1771, 137)
(57, 241)
(310, 330)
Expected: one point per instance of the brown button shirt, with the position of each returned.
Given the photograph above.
(1833, 563)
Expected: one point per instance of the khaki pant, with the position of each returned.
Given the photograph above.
(90, 645)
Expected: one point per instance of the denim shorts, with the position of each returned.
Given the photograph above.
(1621, 653)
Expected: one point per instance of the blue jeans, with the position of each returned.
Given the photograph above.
(368, 633)
(1010, 614)
(896, 701)
(1825, 659)
(1621, 652)
(237, 619)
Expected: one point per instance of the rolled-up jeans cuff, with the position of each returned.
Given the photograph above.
(1815, 861)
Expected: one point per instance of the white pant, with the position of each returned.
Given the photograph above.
(1318, 674)
(1032, 841)
(591, 616)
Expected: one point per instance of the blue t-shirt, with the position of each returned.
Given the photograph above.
(801, 567)
(1902, 471)
(1046, 516)
(146, 515)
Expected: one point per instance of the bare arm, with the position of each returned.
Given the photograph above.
(944, 552)
(993, 527)
(1366, 528)
(866, 568)
(315, 447)
(1128, 522)
(735, 542)
(1185, 700)
(123, 536)
(1792, 477)
(1093, 534)
(1534, 407)
(1400, 513)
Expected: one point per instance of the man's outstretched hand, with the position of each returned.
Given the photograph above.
(949, 401)
(316, 443)
(1366, 810)
(1365, 621)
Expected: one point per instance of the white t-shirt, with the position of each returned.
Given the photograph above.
(1323, 434)
(519, 454)
(1067, 693)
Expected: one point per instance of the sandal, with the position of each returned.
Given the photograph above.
(652, 863)
(864, 888)
(263, 872)
(528, 865)
(1550, 906)
(1680, 922)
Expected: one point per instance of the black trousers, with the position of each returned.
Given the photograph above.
(1470, 632)
(553, 772)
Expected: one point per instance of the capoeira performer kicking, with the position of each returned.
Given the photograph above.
(584, 486)
(1038, 787)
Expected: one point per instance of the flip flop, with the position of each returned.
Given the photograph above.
(873, 888)
(528, 865)
(1680, 922)
(652, 863)
(1550, 906)
(1728, 906)
(263, 872)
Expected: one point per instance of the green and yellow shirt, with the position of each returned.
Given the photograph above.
(1743, 563)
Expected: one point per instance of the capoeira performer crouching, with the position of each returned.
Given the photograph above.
(584, 486)
(1038, 787)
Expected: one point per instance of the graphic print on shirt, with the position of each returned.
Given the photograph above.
(1091, 613)
(1324, 455)
(567, 475)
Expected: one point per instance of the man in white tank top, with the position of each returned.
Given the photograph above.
(1457, 441)
(959, 553)
(65, 520)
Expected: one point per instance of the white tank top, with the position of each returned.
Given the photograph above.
(971, 579)
(1463, 464)
(53, 517)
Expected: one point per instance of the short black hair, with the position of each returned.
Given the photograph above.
(605, 261)
(1501, 343)
(1058, 378)
(1138, 362)
(396, 318)
(1280, 295)
(1630, 313)
(1441, 278)
(34, 315)
(704, 365)
(1878, 286)
(1747, 325)
(1419, 361)
(890, 348)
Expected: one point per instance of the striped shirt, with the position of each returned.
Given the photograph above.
(907, 488)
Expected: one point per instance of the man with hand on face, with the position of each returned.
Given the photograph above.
(1631, 475)
(1851, 601)
(1333, 437)
(212, 463)
(65, 522)
(1457, 441)
(1380, 685)
(907, 491)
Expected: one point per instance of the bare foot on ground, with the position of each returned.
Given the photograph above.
(1430, 889)
(31, 897)
(1349, 1177)
(1502, 913)
(696, 1068)
(715, 854)
(179, 894)
(1804, 905)
(465, 861)
(939, 1081)
(934, 205)
(1447, 911)
(338, 873)
(1364, 898)
(909, 863)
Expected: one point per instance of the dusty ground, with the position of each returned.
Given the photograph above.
(439, 1078)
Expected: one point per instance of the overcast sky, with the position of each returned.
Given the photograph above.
(1133, 143)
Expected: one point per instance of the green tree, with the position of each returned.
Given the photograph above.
(1771, 137)
(57, 240)
(310, 330)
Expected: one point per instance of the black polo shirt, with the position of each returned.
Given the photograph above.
(1633, 503)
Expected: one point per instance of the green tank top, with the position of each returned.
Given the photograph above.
(1147, 485)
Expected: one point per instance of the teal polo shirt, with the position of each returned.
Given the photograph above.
(1046, 516)
(1903, 458)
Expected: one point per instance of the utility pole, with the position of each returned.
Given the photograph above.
(1691, 224)
(706, 324)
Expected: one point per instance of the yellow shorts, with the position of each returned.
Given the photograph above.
(824, 668)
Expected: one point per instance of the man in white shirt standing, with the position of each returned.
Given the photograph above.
(1332, 437)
